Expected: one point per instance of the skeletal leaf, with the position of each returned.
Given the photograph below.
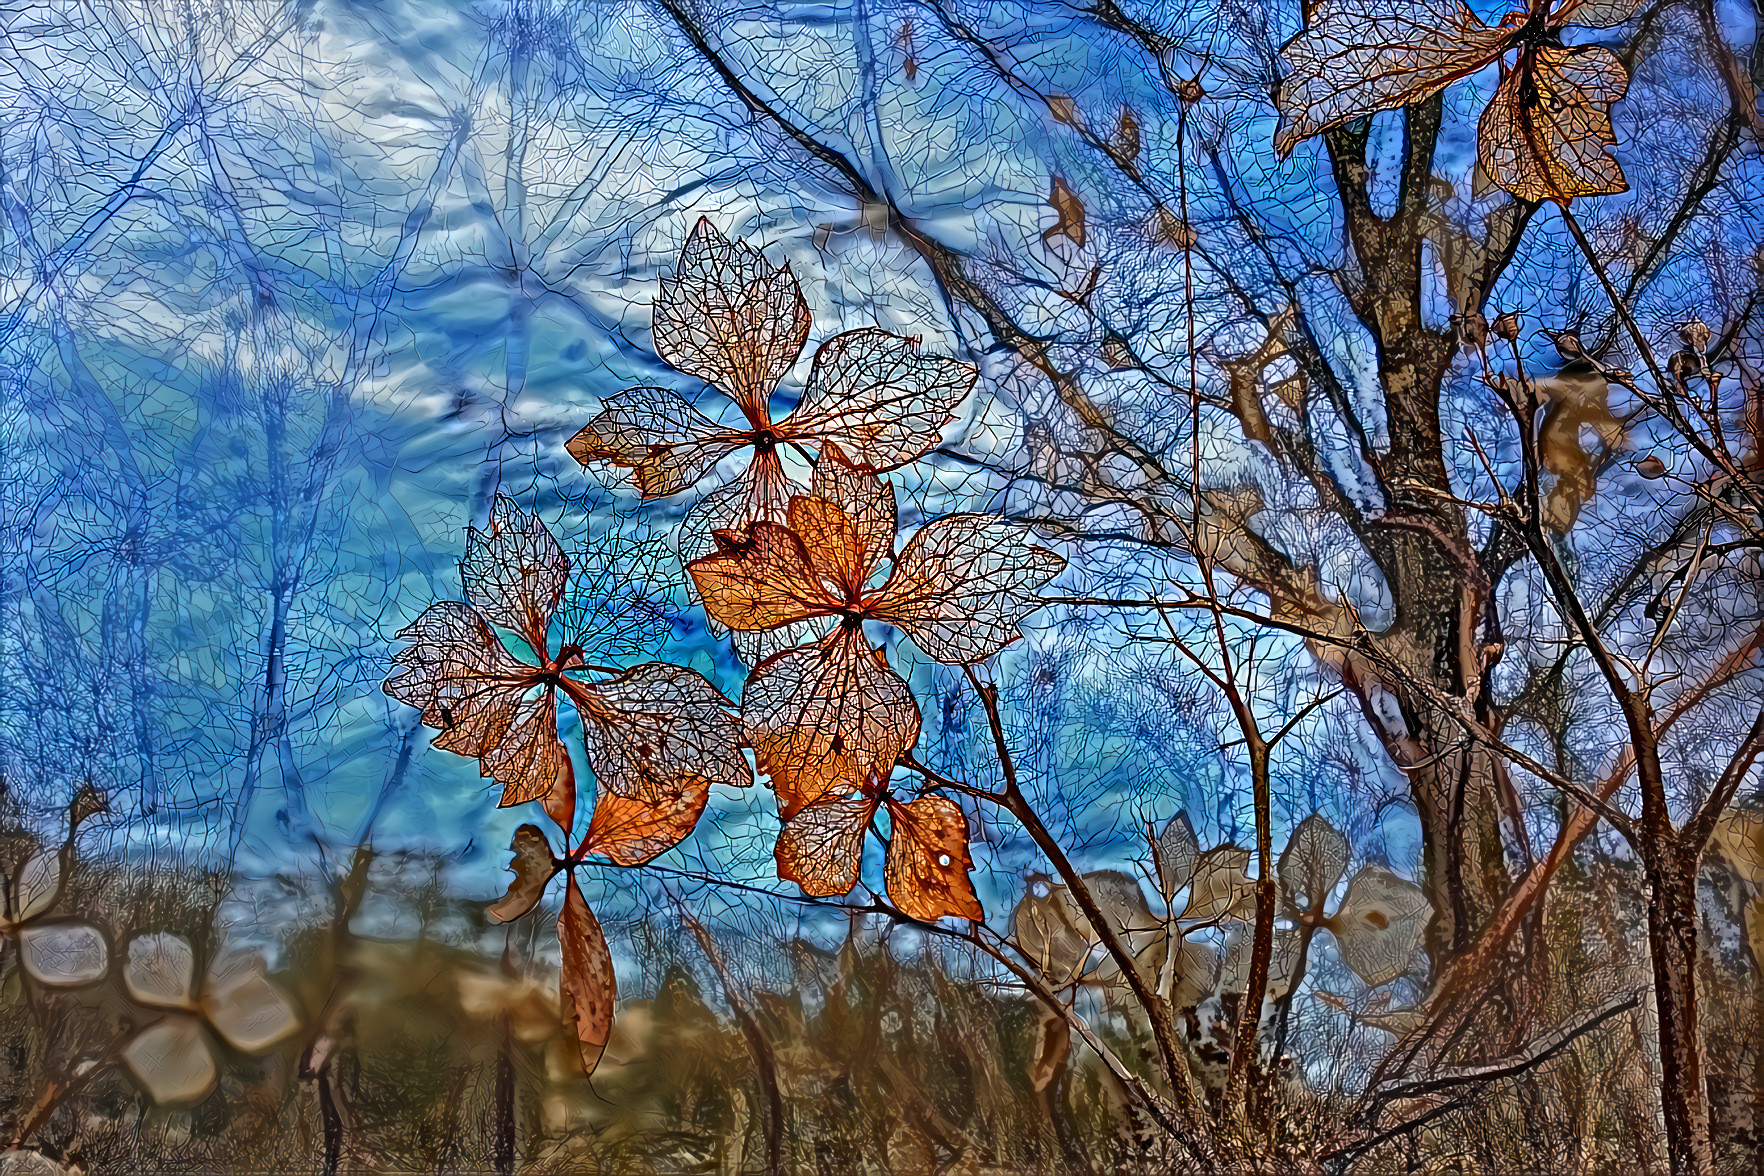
(629, 831)
(533, 867)
(161, 971)
(1379, 924)
(1282, 962)
(1177, 850)
(586, 982)
(172, 1061)
(1313, 862)
(821, 846)
(1221, 888)
(37, 886)
(64, 955)
(1045, 925)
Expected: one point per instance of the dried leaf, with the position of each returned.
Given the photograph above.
(1282, 962)
(37, 887)
(928, 862)
(1126, 142)
(247, 1008)
(731, 318)
(1577, 398)
(533, 867)
(1221, 888)
(1314, 860)
(1045, 925)
(515, 573)
(962, 584)
(830, 717)
(1379, 924)
(172, 1061)
(1545, 132)
(656, 729)
(629, 831)
(1063, 109)
(1177, 850)
(586, 982)
(872, 394)
(666, 443)
(762, 578)
(1070, 225)
(821, 847)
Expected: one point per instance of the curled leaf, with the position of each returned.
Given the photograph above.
(1070, 224)
(586, 982)
(533, 867)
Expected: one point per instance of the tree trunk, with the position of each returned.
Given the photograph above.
(1672, 943)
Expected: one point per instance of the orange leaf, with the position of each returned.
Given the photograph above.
(761, 579)
(666, 443)
(827, 718)
(629, 831)
(1063, 109)
(846, 522)
(533, 867)
(928, 860)
(586, 982)
(1065, 202)
(476, 695)
(731, 318)
(1544, 134)
(822, 845)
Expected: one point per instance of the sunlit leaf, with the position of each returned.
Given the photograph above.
(831, 716)
(1314, 860)
(872, 394)
(847, 521)
(963, 583)
(1379, 924)
(928, 862)
(172, 1061)
(822, 844)
(761, 579)
(731, 318)
(629, 831)
(657, 729)
(586, 982)
(63, 955)
(161, 971)
(533, 868)
(666, 443)
(514, 572)
(1545, 132)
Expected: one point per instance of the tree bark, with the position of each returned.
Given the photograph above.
(1672, 944)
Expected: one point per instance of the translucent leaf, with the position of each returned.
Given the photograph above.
(161, 971)
(1142, 933)
(1282, 963)
(847, 521)
(471, 690)
(731, 318)
(586, 981)
(928, 862)
(1362, 56)
(760, 494)
(1379, 925)
(64, 955)
(248, 1009)
(821, 846)
(1221, 888)
(37, 885)
(533, 869)
(667, 444)
(831, 717)
(172, 1061)
(515, 573)
(1177, 850)
(1045, 925)
(658, 730)
(630, 831)
(962, 584)
(763, 578)
(1545, 132)
(1314, 860)
(882, 403)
